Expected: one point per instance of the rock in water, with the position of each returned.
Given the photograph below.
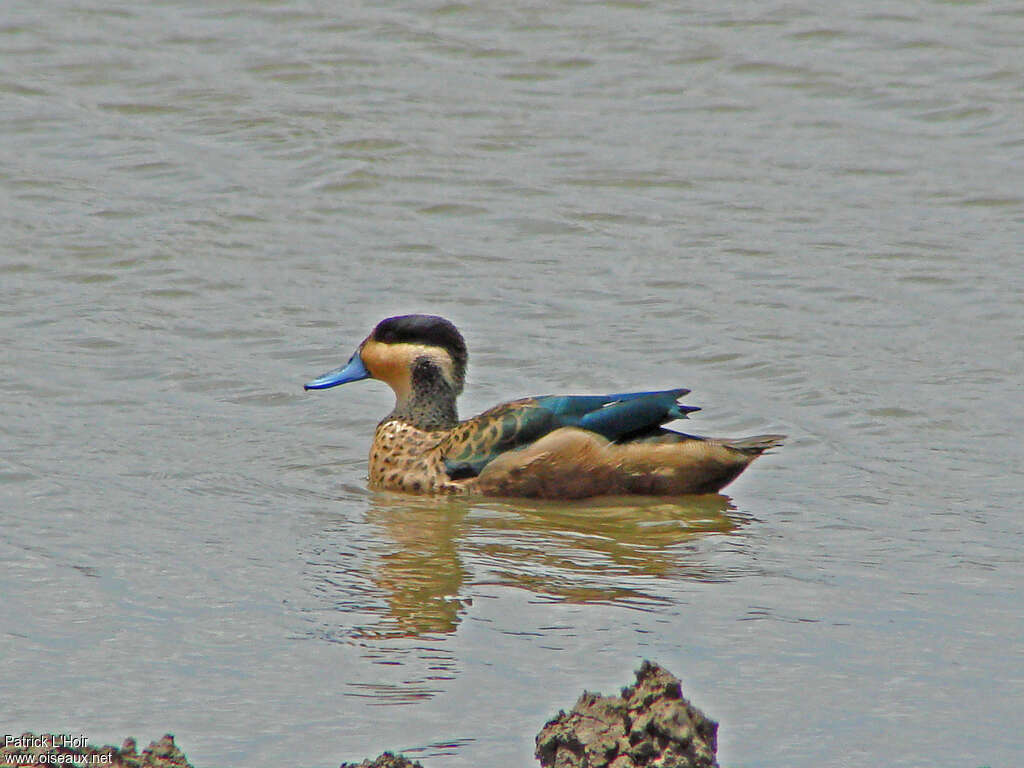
(651, 723)
(384, 760)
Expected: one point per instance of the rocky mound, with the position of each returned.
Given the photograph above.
(386, 760)
(59, 749)
(651, 723)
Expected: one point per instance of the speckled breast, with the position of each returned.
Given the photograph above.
(404, 458)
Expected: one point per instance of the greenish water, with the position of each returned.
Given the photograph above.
(811, 218)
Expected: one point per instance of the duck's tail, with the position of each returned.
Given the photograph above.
(756, 445)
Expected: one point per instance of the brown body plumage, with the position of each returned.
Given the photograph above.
(549, 447)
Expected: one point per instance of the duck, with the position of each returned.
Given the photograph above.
(548, 446)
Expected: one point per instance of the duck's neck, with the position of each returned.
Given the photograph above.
(429, 403)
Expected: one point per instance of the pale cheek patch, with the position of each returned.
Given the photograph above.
(384, 362)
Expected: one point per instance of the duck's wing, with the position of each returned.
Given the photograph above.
(623, 415)
(475, 443)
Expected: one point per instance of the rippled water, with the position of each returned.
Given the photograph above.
(813, 217)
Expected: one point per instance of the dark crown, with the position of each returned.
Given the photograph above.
(423, 329)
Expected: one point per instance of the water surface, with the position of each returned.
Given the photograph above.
(812, 217)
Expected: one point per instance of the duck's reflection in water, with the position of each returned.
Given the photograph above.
(432, 551)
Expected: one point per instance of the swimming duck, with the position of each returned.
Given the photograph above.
(553, 446)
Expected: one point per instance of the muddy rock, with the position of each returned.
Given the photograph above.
(385, 760)
(650, 724)
(58, 749)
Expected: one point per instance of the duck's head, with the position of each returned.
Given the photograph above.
(409, 353)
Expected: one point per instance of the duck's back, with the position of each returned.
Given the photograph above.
(518, 424)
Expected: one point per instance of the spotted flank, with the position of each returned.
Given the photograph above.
(552, 446)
